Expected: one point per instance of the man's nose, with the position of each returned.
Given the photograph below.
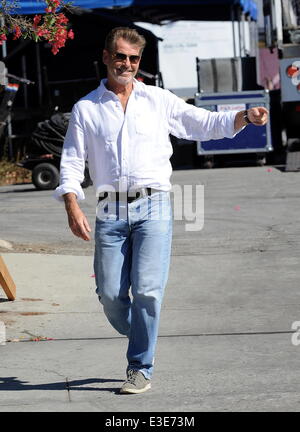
(127, 62)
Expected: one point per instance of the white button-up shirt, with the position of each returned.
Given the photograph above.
(131, 149)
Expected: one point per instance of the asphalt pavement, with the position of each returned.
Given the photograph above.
(227, 340)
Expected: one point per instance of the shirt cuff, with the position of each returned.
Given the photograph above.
(65, 188)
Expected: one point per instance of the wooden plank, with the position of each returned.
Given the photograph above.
(6, 281)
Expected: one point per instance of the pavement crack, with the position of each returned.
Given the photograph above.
(179, 335)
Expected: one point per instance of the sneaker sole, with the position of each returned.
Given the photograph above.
(136, 391)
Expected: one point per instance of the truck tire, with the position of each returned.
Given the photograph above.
(45, 176)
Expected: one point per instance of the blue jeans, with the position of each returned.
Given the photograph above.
(132, 249)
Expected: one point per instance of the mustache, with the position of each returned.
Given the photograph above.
(124, 69)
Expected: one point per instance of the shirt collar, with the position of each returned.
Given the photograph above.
(102, 88)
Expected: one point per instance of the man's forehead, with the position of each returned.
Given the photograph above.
(122, 44)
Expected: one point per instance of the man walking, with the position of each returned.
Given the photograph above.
(123, 129)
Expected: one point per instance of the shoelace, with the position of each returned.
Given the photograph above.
(131, 376)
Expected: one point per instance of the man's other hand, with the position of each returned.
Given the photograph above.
(78, 222)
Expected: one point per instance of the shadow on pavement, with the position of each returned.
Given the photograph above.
(33, 189)
(14, 384)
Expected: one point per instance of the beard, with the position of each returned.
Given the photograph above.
(122, 75)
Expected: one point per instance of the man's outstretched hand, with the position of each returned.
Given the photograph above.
(78, 222)
(258, 115)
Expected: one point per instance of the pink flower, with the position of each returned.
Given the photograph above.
(61, 19)
(42, 32)
(71, 34)
(52, 5)
(18, 33)
(36, 20)
(54, 49)
(52, 27)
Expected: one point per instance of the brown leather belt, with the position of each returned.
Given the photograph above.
(129, 196)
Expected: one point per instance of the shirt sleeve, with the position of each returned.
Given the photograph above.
(73, 158)
(194, 123)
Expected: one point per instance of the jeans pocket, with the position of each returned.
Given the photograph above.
(102, 209)
(160, 206)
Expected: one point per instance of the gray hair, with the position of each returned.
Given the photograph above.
(128, 34)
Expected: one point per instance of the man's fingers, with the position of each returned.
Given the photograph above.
(263, 110)
(80, 228)
(80, 231)
(85, 229)
(255, 112)
(259, 112)
(258, 115)
(86, 225)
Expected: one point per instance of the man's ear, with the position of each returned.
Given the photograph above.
(105, 56)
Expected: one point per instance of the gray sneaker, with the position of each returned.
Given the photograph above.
(135, 383)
